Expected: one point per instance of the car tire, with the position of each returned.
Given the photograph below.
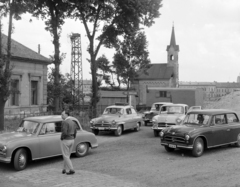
(169, 149)
(198, 147)
(119, 130)
(96, 132)
(82, 149)
(137, 128)
(156, 133)
(20, 159)
(145, 123)
(237, 144)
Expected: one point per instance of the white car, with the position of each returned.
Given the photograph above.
(170, 114)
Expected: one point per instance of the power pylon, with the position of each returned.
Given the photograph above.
(76, 71)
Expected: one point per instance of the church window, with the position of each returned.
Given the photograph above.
(171, 57)
(162, 93)
(34, 92)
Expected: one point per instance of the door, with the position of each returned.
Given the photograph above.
(234, 127)
(49, 139)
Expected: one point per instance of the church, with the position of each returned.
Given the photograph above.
(159, 75)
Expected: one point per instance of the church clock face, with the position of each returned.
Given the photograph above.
(171, 57)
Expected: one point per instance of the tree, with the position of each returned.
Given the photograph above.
(111, 19)
(13, 8)
(131, 57)
(54, 12)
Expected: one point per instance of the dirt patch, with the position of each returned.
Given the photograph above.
(230, 101)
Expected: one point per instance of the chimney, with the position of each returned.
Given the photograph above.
(39, 48)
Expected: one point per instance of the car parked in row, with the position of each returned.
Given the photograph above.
(202, 129)
(117, 118)
(148, 115)
(39, 137)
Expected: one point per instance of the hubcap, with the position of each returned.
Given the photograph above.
(22, 160)
(82, 148)
(119, 130)
(199, 148)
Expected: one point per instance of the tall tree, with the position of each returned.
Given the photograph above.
(111, 19)
(131, 57)
(54, 13)
(14, 9)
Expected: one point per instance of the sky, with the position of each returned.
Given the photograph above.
(207, 32)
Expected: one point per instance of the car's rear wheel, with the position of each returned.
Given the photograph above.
(96, 132)
(20, 159)
(198, 147)
(137, 128)
(156, 133)
(237, 144)
(119, 130)
(82, 149)
(169, 149)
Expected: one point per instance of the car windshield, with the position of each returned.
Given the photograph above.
(28, 127)
(174, 110)
(196, 119)
(113, 110)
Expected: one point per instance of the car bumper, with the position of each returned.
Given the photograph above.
(177, 146)
(158, 128)
(104, 128)
(5, 159)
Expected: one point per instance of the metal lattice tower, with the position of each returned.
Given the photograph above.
(76, 70)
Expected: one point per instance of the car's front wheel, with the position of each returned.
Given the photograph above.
(20, 159)
(82, 149)
(95, 131)
(137, 128)
(156, 133)
(169, 149)
(237, 144)
(198, 147)
(119, 130)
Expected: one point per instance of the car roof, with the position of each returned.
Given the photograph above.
(44, 119)
(211, 111)
(171, 104)
(162, 103)
(120, 106)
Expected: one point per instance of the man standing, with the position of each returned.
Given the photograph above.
(69, 131)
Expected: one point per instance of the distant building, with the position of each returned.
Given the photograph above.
(29, 78)
(238, 78)
(160, 74)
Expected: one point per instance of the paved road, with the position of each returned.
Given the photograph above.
(135, 159)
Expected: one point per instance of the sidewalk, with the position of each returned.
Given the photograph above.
(54, 178)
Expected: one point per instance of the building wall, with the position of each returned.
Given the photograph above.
(26, 72)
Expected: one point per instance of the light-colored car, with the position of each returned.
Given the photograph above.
(170, 114)
(148, 115)
(117, 118)
(39, 137)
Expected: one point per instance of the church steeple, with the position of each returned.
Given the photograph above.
(173, 41)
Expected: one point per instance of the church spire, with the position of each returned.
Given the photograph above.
(173, 40)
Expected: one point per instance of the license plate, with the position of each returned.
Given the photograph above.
(100, 128)
(172, 146)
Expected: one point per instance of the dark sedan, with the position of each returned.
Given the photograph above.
(203, 129)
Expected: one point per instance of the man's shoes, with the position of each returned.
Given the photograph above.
(63, 171)
(71, 172)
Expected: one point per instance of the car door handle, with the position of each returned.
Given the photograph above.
(228, 129)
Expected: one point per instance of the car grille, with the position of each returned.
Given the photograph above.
(174, 139)
(165, 124)
(102, 125)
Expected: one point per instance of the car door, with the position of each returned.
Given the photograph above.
(219, 133)
(128, 119)
(135, 117)
(49, 139)
(234, 126)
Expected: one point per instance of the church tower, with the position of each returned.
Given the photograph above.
(172, 59)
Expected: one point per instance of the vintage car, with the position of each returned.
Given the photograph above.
(203, 129)
(170, 114)
(117, 118)
(148, 115)
(39, 137)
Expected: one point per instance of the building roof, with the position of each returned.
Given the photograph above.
(228, 85)
(22, 52)
(156, 72)
(173, 41)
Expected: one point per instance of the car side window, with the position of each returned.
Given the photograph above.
(220, 119)
(232, 118)
(133, 111)
(78, 127)
(128, 110)
(48, 128)
(58, 127)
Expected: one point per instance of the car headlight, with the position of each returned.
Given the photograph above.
(4, 149)
(113, 122)
(187, 137)
(161, 134)
(91, 122)
(178, 120)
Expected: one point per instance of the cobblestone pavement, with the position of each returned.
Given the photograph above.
(54, 178)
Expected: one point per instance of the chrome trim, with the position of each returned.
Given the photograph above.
(179, 146)
(222, 144)
(5, 160)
